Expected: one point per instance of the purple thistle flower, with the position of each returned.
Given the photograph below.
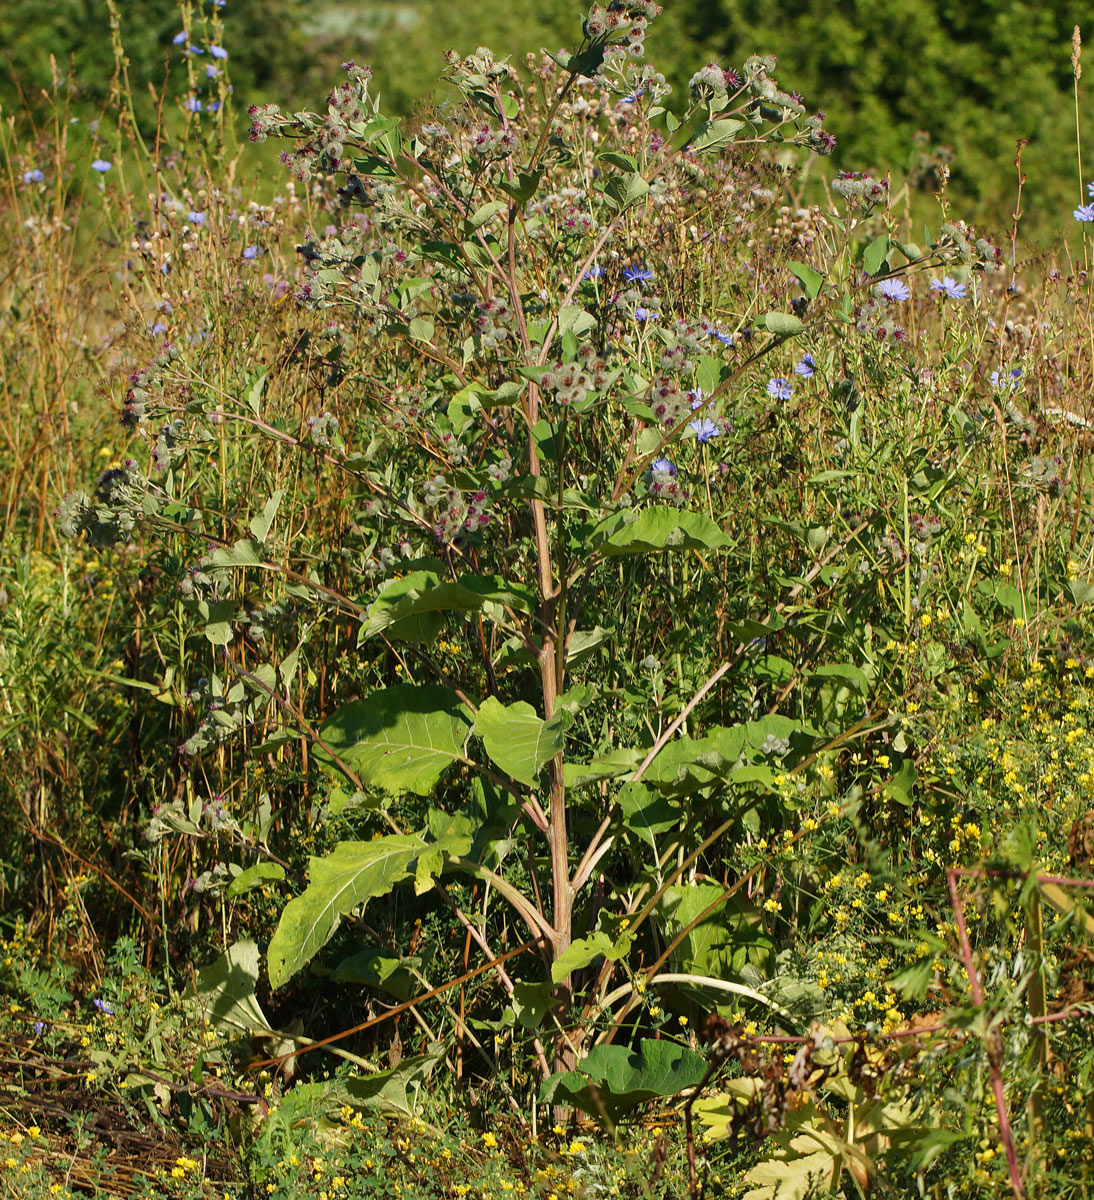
(893, 289)
(779, 388)
(1085, 212)
(101, 165)
(704, 429)
(805, 366)
(950, 286)
(637, 275)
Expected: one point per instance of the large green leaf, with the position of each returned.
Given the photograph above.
(794, 1177)
(256, 876)
(712, 134)
(873, 258)
(615, 1079)
(318, 1104)
(261, 524)
(585, 950)
(740, 753)
(621, 761)
(621, 191)
(400, 739)
(424, 592)
(687, 763)
(784, 323)
(723, 944)
(811, 280)
(646, 813)
(377, 968)
(225, 991)
(660, 528)
(517, 740)
(451, 834)
(353, 873)
(573, 316)
(530, 1003)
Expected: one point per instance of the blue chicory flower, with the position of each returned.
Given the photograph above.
(179, 38)
(211, 72)
(594, 272)
(637, 275)
(1004, 381)
(1090, 190)
(103, 1006)
(779, 388)
(949, 286)
(893, 289)
(641, 314)
(157, 327)
(196, 218)
(193, 104)
(40, 1027)
(727, 339)
(704, 429)
(101, 165)
(664, 465)
(34, 175)
(251, 252)
(1085, 212)
(218, 52)
(805, 366)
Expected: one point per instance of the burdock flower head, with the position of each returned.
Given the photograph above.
(712, 83)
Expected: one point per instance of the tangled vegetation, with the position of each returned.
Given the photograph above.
(575, 675)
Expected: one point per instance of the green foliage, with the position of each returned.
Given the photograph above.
(354, 873)
(573, 642)
(613, 1080)
(975, 76)
(267, 47)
